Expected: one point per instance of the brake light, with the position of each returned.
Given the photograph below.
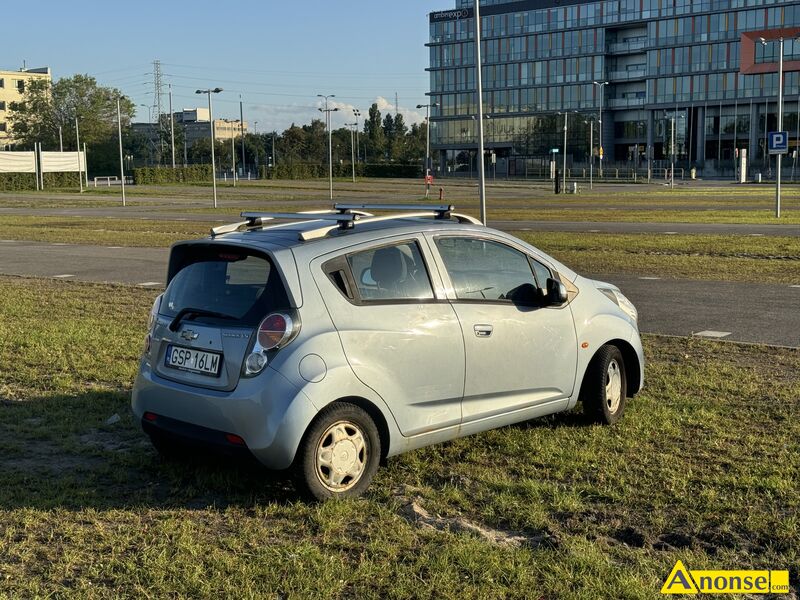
(275, 331)
(234, 439)
(148, 416)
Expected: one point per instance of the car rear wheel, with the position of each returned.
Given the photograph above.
(604, 386)
(340, 452)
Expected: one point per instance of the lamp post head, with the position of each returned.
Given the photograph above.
(422, 105)
(335, 109)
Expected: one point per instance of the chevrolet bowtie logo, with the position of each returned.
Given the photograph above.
(189, 335)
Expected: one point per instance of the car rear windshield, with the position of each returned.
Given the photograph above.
(232, 282)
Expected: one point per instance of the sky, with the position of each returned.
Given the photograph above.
(277, 55)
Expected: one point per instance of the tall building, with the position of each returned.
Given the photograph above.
(12, 87)
(699, 65)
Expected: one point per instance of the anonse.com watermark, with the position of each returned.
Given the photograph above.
(683, 581)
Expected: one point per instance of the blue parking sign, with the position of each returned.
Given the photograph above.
(778, 142)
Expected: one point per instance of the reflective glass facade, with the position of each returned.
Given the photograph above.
(696, 62)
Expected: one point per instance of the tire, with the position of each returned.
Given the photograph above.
(604, 386)
(339, 454)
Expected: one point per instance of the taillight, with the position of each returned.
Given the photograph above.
(275, 331)
(151, 324)
(154, 312)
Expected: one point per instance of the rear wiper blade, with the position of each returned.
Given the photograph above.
(197, 312)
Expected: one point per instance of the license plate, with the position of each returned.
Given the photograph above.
(195, 361)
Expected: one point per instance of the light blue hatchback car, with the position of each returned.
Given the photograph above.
(334, 339)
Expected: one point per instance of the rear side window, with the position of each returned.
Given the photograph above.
(388, 273)
(241, 285)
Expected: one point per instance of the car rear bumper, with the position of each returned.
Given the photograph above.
(267, 411)
(165, 428)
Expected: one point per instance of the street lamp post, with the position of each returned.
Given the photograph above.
(171, 126)
(672, 153)
(121, 163)
(591, 150)
(352, 149)
(357, 114)
(328, 112)
(428, 165)
(778, 157)
(564, 160)
(210, 91)
(601, 86)
(479, 82)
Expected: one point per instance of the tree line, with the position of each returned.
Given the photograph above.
(47, 113)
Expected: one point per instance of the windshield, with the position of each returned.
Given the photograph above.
(229, 282)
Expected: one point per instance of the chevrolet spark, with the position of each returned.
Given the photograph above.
(334, 339)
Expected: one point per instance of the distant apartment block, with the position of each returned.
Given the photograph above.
(196, 125)
(12, 87)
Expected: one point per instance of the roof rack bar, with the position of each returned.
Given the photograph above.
(441, 210)
(323, 231)
(268, 216)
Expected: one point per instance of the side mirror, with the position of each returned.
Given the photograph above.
(525, 295)
(556, 293)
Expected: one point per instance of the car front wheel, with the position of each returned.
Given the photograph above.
(604, 386)
(340, 452)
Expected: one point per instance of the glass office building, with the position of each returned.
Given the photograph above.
(698, 65)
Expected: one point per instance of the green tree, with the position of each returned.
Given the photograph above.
(399, 142)
(374, 132)
(45, 107)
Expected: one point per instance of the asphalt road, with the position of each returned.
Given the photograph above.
(747, 312)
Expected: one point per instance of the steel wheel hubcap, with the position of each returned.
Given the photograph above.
(341, 456)
(613, 386)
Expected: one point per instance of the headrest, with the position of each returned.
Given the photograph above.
(388, 266)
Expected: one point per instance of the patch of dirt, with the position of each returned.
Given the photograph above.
(46, 456)
(630, 536)
(412, 511)
(110, 441)
(673, 540)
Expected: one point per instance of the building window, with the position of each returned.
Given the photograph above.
(3, 127)
(20, 85)
(2, 105)
(2, 82)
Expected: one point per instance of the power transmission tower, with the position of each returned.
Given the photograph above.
(157, 93)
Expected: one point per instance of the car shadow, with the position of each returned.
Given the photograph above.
(89, 451)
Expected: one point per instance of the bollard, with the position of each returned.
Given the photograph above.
(441, 194)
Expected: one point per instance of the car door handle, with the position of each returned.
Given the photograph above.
(483, 330)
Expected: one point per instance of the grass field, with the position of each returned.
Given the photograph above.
(704, 468)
